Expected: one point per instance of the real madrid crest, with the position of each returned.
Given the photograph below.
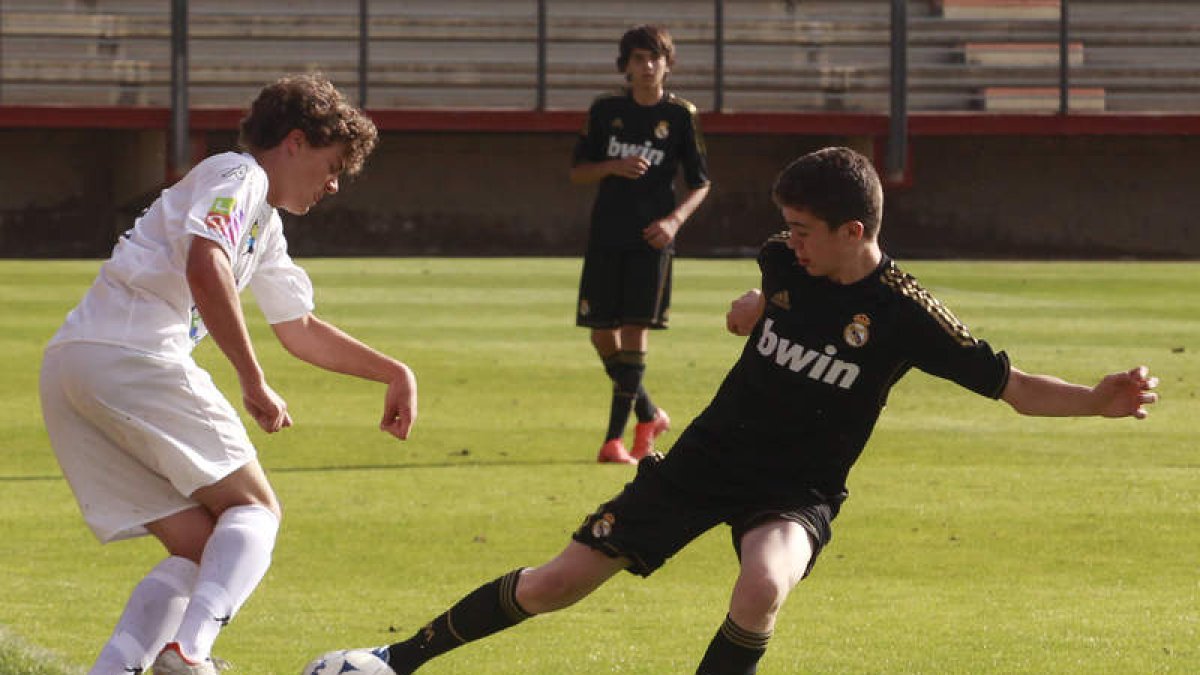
(858, 331)
(603, 526)
(662, 130)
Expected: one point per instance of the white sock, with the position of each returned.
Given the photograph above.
(151, 617)
(235, 559)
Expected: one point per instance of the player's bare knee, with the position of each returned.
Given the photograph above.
(275, 508)
(546, 589)
(760, 594)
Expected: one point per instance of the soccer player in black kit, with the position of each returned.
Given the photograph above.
(836, 324)
(632, 143)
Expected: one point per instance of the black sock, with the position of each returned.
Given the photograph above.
(625, 368)
(488, 609)
(643, 407)
(733, 651)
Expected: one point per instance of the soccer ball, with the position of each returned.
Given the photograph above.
(359, 661)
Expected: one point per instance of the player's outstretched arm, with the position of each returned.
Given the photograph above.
(1123, 394)
(744, 312)
(326, 346)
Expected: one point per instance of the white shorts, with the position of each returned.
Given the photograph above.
(136, 434)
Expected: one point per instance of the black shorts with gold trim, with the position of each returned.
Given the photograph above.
(653, 518)
(624, 286)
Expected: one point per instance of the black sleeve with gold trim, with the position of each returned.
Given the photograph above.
(590, 145)
(774, 259)
(942, 345)
(693, 154)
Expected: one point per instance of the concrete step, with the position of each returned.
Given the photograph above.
(1041, 99)
(1021, 53)
(998, 9)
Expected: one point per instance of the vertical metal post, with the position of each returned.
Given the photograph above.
(718, 55)
(541, 56)
(1064, 58)
(897, 147)
(364, 37)
(180, 157)
(1, 50)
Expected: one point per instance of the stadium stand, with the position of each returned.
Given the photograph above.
(84, 97)
(779, 56)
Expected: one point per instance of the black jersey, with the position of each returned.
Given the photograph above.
(667, 134)
(796, 410)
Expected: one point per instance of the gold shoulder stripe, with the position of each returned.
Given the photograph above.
(694, 114)
(683, 103)
(907, 285)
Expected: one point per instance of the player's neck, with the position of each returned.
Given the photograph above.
(270, 160)
(859, 265)
(647, 95)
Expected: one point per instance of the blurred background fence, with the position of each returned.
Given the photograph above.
(997, 96)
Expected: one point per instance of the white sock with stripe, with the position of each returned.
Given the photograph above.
(234, 562)
(151, 617)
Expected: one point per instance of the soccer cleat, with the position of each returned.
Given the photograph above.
(171, 661)
(613, 452)
(644, 434)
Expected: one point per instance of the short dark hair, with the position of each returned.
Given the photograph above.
(836, 185)
(310, 103)
(656, 39)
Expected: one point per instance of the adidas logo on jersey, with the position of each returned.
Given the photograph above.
(818, 365)
(650, 153)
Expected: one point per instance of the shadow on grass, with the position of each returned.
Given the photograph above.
(398, 466)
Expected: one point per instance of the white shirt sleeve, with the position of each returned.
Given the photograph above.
(220, 209)
(281, 288)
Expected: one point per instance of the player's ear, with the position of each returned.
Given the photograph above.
(854, 229)
(295, 139)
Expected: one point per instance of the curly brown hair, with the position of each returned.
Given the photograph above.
(310, 103)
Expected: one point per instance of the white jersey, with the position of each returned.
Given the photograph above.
(141, 298)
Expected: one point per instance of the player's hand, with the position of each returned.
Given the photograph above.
(661, 233)
(1126, 394)
(631, 167)
(400, 404)
(266, 407)
(744, 312)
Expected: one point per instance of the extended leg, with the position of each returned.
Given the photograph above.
(505, 602)
(775, 556)
(234, 560)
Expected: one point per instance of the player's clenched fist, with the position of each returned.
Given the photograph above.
(744, 312)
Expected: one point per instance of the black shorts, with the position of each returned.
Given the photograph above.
(624, 287)
(652, 519)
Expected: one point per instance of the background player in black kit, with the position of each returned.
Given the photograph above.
(836, 324)
(632, 143)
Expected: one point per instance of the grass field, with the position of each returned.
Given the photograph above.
(975, 540)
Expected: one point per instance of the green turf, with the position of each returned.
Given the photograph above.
(975, 540)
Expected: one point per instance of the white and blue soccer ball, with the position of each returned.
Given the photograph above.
(356, 661)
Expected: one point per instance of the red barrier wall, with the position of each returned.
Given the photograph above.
(495, 183)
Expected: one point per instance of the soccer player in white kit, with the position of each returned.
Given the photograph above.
(146, 441)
